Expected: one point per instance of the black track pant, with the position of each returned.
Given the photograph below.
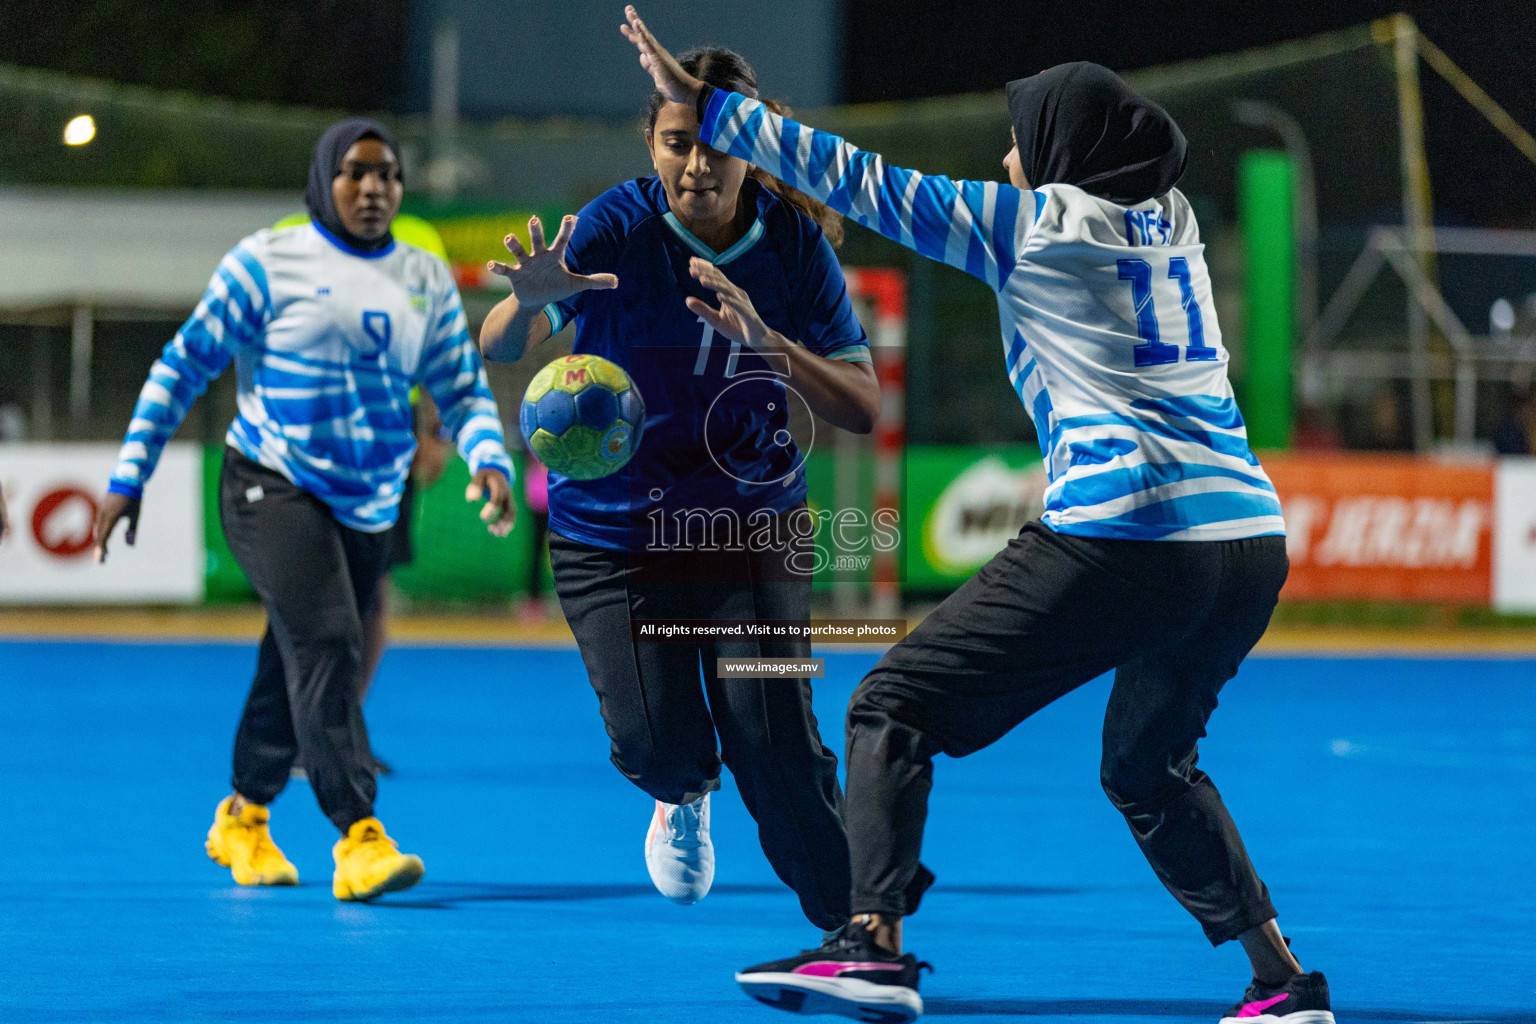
(670, 734)
(316, 578)
(1046, 615)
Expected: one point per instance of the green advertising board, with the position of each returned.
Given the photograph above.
(456, 558)
(964, 503)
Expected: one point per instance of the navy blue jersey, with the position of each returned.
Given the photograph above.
(716, 438)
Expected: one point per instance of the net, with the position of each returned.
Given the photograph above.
(1227, 106)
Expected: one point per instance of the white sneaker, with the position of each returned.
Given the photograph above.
(678, 853)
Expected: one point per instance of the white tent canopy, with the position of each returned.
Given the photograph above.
(95, 254)
(137, 250)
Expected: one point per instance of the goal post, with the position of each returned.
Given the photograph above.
(883, 292)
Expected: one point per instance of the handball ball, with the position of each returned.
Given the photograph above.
(582, 416)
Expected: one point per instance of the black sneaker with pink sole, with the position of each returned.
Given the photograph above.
(1303, 999)
(848, 975)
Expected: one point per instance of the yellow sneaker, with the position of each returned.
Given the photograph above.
(242, 843)
(369, 863)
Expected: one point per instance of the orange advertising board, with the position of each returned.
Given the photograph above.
(1387, 528)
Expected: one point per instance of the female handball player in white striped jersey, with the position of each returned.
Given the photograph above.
(1161, 551)
(330, 324)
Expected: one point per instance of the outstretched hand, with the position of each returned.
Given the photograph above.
(499, 514)
(671, 80)
(541, 276)
(736, 318)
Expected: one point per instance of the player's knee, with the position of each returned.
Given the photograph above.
(333, 641)
(749, 751)
(757, 753)
(664, 775)
(1138, 787)
(872, 701)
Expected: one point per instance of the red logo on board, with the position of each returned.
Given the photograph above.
(57, 542)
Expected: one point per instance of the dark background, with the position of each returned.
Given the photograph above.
(902, 49)
(355, 54)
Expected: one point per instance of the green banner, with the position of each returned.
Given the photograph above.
(964, 503)
(456, 558)
(226, 581)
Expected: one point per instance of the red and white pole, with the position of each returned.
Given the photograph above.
(887, 289)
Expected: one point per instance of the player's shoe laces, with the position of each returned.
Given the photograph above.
(1303, 999)
(678, 852)
(242, 843)
(369, 863)
(847, 975)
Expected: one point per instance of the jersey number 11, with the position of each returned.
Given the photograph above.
(1153, 351)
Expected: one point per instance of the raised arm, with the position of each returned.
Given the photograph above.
(539, 278)
(979, 227)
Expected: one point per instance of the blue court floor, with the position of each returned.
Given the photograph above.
(1388, 804)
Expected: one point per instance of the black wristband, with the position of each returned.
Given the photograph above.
(705, 92)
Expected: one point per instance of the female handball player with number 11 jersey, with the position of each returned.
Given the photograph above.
(722, 299)
(1161, 551)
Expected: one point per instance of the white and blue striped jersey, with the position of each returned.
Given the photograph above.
(327, 343)
(1109, 332)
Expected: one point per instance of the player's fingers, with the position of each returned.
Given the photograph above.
(132, 533)
(633, 27)
(712, 316)
(563, 236)
(639, 26)
(503, 526)
(706, 272)
(597, 282)
(473, 492)
(536, 234)
(498, 507)
(101, 525)
(515, 247)
(101, 544)
(634, 38)
(101, 531)
(501, 269)
(635, 33)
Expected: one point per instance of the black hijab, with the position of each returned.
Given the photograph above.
(1079, 124)
(329, 151)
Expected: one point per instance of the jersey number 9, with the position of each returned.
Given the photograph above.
(376, 326)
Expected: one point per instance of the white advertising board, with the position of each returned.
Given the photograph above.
(1514, 536)
(51, 491)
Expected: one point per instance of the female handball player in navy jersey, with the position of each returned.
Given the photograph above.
(330, 323)
(1161, 551)
(718, 291)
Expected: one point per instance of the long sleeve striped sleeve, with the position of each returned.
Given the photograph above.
(230, 316)
(454, 375)
(978, 226)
